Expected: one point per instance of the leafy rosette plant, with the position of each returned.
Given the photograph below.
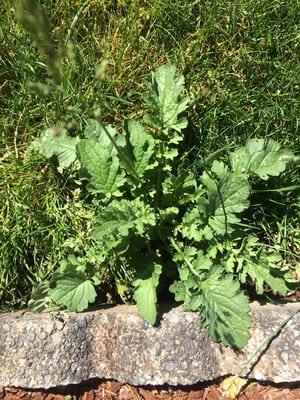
(168, 224)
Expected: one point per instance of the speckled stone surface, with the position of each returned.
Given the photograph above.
(43, 351)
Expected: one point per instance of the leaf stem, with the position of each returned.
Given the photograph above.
(188, 263)
(159, 175)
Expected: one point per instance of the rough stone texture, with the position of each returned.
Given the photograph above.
(42, 351)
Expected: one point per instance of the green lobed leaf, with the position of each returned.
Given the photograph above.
(121, 219)
(186, 290)
(194, 256)
(145, 289)
(180, 189)
(102, 164)
(225, 309)
(191, 225)
(262, 267)
(114, 143)
(261, 157)
(142, 147)
(227, 196)
(55, 142)
(262, 274)
(192, 265)
(73, 290)
(165, 100)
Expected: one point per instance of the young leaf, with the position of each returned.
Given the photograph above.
(73, 290)
(192, 265)
(56, 142)
(142, 147)
(180, 189)
(225, 309)
(262, 274)
(262, 268)
(191, 225)
(186, 289)
(120, 220)
(102, 164)
(165, 100)
(145, 289)
(261, 157)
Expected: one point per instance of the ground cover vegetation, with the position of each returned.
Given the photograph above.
(80, 80)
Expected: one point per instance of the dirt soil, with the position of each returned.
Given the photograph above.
(112, 390)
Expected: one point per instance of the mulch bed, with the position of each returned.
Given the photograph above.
(112, 390)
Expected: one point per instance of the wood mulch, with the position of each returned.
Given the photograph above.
(112, 390)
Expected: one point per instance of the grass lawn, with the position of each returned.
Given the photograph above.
(242, 69)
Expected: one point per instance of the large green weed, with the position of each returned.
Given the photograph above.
(165, 222)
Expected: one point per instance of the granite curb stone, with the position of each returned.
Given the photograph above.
(44, 350)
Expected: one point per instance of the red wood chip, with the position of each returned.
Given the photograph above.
(112, 390)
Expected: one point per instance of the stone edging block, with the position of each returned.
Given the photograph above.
(43, 351)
